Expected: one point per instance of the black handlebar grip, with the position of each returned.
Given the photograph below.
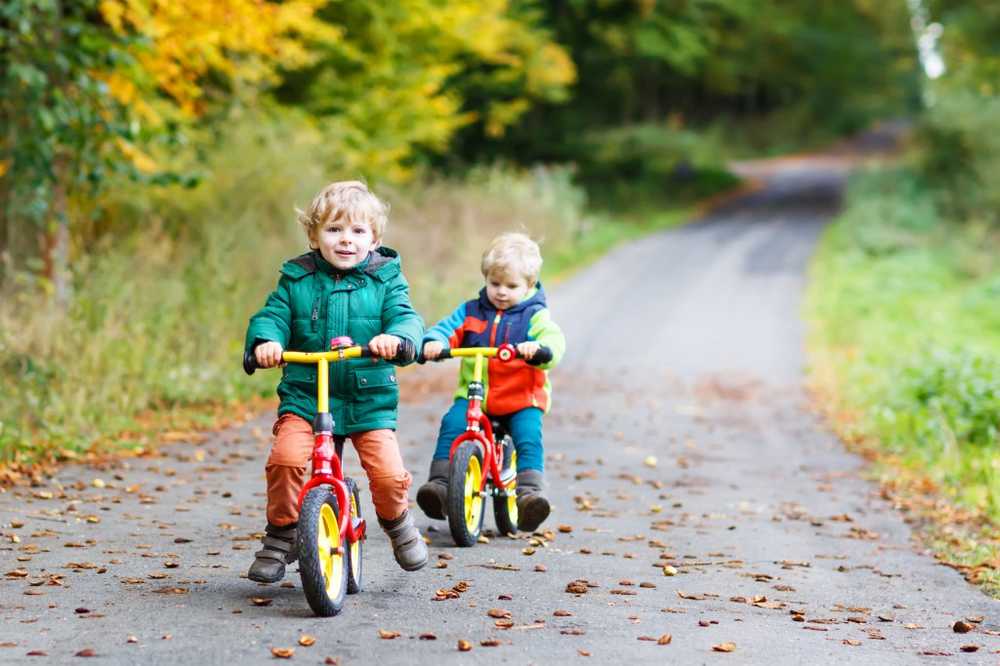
(543, 355)
(249, 362)
(445, 354)
(406, 351)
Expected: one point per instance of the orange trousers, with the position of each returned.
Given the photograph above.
(287, 466)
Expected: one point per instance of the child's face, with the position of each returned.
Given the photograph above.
(505, 291)
(344, 244)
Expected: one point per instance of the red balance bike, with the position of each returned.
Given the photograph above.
(483, 462)
(331, 531)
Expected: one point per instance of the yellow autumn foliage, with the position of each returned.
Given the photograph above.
(244, 40)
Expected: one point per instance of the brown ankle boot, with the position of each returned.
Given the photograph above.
(279, 550)
(432, 497)
(532, 506)
(408, 545)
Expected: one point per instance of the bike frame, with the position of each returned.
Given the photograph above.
(479, 428)
(327, 449)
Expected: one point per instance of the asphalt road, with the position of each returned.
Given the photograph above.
(680, 435)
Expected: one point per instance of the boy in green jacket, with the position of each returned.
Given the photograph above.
(347, 285)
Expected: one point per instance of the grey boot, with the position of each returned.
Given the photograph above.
(432, 497)
(532, 507)
(279, 550)
(408, 546)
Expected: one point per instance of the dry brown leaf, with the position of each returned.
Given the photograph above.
(464, 646)
(724, 647)
(283, 652)
(428, 636)
(261, 601)
(388, 635)
(563, 613)
(86, 652)
(306, 640)
(961, 627)
(498, 613)
(665, 639)
(969, 648)
(490, 642)
(851, 641)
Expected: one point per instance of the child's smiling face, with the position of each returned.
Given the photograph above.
(505, 291)
(345, 244)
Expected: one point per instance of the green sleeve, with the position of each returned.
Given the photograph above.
(398, 316)
(273, 322)
(546, 332)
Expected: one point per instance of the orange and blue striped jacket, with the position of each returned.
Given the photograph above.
(511, 386)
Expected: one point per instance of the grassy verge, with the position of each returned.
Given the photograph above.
(904, 332)
(164, 284)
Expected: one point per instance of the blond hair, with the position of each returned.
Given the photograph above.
(348, 200)
(513, 253)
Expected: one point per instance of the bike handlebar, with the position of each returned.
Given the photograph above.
(542, 356)
(404, 354)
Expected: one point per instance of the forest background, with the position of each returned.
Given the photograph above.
(153, 152)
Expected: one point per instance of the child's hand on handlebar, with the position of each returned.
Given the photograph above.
(528, 349)
(268, 354)
(432, 350)
(384, 346)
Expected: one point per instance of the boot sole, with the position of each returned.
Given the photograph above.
(258, 578)
(533, 515)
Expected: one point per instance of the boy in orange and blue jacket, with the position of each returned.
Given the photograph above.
(510, 309)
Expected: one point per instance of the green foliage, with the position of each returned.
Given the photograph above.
(60, 121)
(903, 306)
(831, 66)
(649, 164)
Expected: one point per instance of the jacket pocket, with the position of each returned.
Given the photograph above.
(376, 394)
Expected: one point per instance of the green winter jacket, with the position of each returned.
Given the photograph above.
(315, 302)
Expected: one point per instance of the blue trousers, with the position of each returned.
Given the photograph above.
(524, 426)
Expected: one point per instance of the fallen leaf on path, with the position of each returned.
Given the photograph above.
(691, 596)
(961, 627)
(427, 636)
(851, 641)
(86, 652)
(969, 648)
(388, 635)
(261, 601)
(724, 647)
(283, 652)
(498, 613)
(464, 646)
(490, 642)
(306, 640)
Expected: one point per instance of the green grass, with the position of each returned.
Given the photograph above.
(905, 324)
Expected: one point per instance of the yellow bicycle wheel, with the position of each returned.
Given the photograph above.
(322, 556)
(465, 500)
